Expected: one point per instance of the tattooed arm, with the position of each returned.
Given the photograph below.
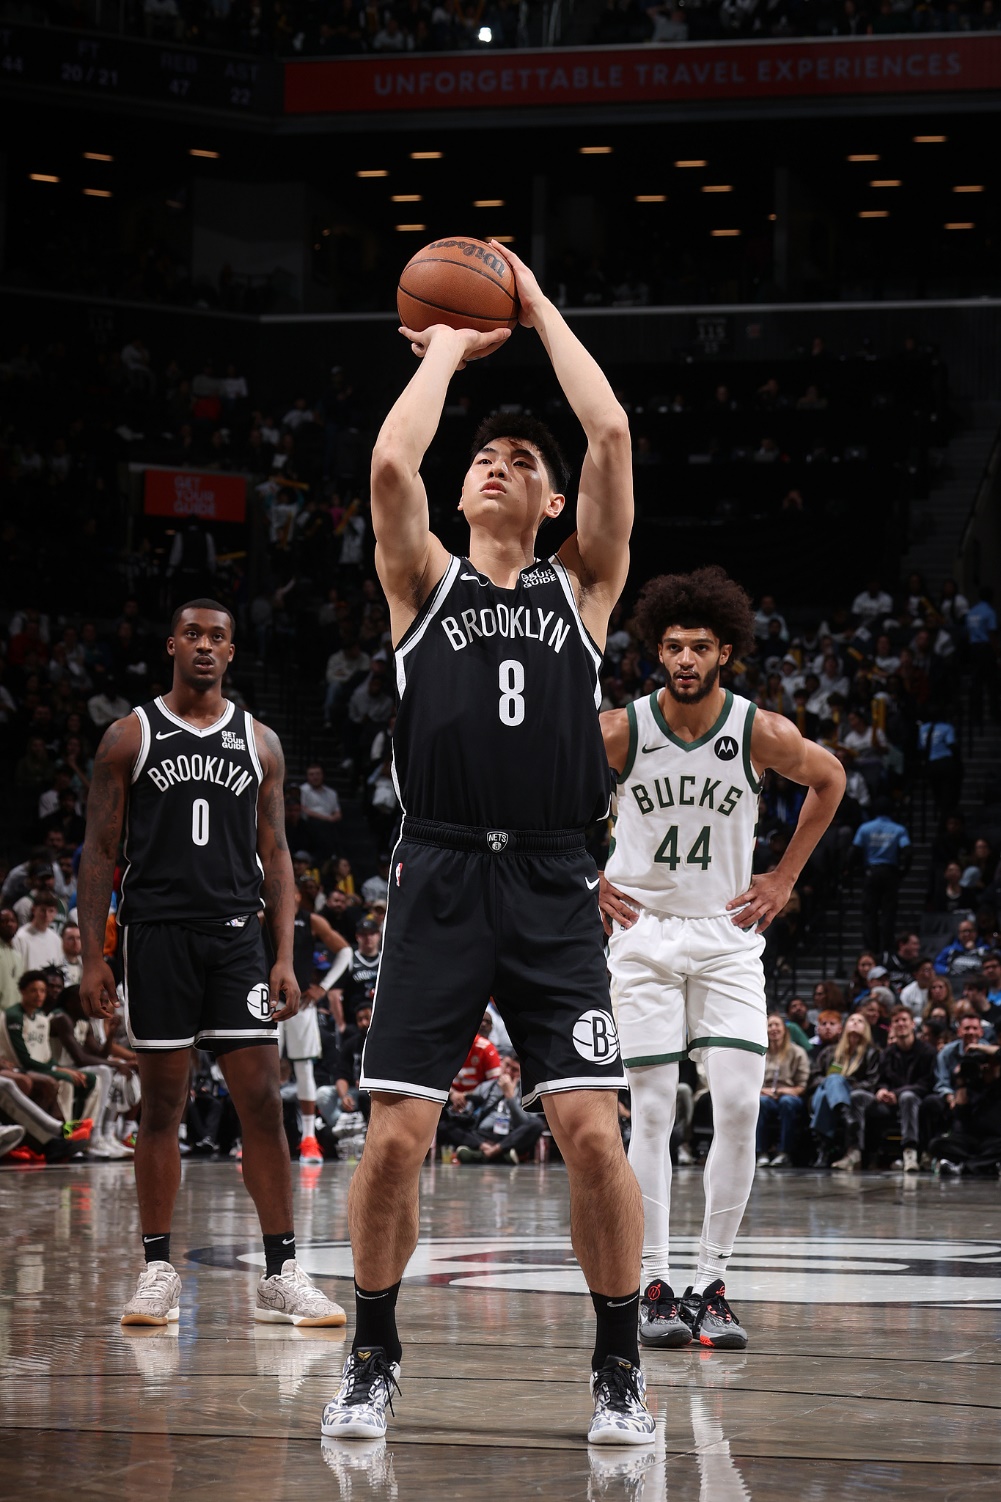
(279, 883)
(109, 791)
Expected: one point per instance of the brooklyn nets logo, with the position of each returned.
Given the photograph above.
(595, 1038)
(497, 840)
(726, 748)
(763, 1270)
(259, 1002)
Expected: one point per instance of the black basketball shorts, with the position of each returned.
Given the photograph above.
(204, 984)
(479, 913)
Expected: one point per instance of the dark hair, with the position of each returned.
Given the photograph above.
(28, 979)
(706, 597)
(530, 430)
(203, 604)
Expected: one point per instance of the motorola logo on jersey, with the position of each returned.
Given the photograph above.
(595, 1038)
(497, 840)
(259, 1001)
(726, 748)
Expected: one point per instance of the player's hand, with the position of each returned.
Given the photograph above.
(614, 904)
(469, 343)
(530, 295)
(98, 995)
(284, 993)
(764, 900)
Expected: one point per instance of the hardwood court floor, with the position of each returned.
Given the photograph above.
(873, 1306)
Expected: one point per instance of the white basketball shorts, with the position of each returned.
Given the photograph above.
(682, 985)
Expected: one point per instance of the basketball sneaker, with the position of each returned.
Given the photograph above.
(289, 1298)
(10, 1137)
(310, 1151)
(621, 1416)
(358, 1411)
(660, 1322)
(156, 1300)
(711, 1320)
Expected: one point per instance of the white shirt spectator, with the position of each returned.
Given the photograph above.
(343, 665)
(234, 388)
(856, 787)
(375, 889)
(914, 998)
(295, 416)
(321, 800)
(38, 947)
(866, 606)
(105, 709)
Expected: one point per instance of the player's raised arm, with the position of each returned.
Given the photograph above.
(278, 888)
(116, 756)
(409, 559)
(598, 555)
(776, 743)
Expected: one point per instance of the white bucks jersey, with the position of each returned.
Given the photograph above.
(687, 812)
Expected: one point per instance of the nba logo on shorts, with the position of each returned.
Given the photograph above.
(259, 1002)
(595, 1038)
(496, 839)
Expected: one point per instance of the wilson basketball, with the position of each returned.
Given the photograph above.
(464, 283)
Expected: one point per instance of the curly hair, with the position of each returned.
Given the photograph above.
(706, 597)
(530, 430)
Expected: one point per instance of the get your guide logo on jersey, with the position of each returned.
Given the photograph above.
(726, 748)
(595, 1038)
(259, 1001)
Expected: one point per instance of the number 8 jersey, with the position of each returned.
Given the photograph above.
(498, 723)
(191, 821)
(687, 812)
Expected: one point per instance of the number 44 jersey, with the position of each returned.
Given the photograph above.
(498, 723)
(687, 811)
(191, 821)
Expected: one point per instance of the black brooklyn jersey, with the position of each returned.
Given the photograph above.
(191, 824)
(498, 720)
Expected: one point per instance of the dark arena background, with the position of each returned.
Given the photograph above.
(777, 226)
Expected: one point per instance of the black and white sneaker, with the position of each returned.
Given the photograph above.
(660, 1319)
(621, 1416)
(711, 1320)
(358, 1410)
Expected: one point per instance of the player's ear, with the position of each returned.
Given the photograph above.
(725, 653)
(554, 506)
(170, 646)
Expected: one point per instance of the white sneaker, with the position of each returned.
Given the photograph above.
(111, 1146)
(851, 1160)
(358, 1411)
(156, 1300)
(910, 1160)
(781, 1160)
(685, 1155)
(289, 1298)
(10, 1137)
(348, 1124)
(99, 1147)
(763, 1160)
(621, 1416)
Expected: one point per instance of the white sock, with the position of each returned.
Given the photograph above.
(309, 1124)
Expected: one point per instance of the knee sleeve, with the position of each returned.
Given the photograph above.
(305, 1082)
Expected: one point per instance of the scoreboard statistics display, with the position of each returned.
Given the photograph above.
(111, 67)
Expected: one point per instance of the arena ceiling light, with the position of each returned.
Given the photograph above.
(961, 226)
(874, 214)
(372, 172)
(929, 140)
(97, 156)
(406, 229)
(406, 198)
(724, 234)
(969, 188)
(212, 156)
(96, 193)
(716, 188)
(43, 177)
(863, 156)
(488, 203)
(426, 156)
(650, 198)
(596, 150)
(693, 163)
(886, 182)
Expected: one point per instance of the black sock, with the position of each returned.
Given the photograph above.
(277, 1250)
(157, 1248)
(616, 1333)
(375, 1321)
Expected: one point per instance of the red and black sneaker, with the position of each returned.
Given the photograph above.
(660, 1318)
(711, 1320)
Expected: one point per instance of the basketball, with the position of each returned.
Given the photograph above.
(461, 282)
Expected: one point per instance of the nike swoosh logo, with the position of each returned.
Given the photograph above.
(591, 884)
(648, 749)
(164, 735)
(621, 1303)
(288, 1241)
(481, 582)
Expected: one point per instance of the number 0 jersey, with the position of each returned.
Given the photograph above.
(687, 811)
(191, 823)
(498, 721)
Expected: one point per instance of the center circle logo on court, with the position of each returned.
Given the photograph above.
(726, 748)
(259, 1001)
(595, 1038)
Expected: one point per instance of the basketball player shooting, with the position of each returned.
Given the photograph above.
(500, 765)
(198, 785)
(686, 920)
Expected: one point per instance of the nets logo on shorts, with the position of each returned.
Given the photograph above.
(259, 1001)
(497, 840)
(595, 1038)
(726, 748)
